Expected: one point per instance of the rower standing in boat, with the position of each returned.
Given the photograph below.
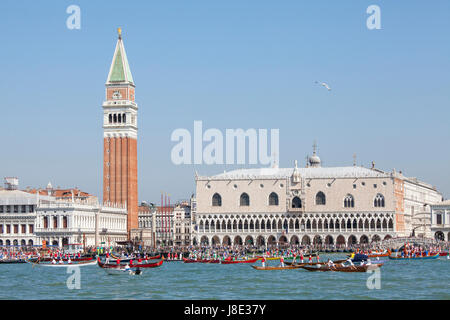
(263, 262)
(282, 261)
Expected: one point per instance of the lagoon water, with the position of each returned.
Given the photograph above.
(176, 280)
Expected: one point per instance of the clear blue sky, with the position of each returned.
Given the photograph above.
(231, 64)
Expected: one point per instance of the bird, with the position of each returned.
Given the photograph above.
(324, 85)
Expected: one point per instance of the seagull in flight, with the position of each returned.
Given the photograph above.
(324, 85)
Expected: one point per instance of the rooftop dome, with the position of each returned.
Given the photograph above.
(314, 160)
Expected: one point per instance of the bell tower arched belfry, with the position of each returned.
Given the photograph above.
(120, 137)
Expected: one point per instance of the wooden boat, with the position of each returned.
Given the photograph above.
(443, 254)
(10, 261)
(201, 261)
(363, 268)
(275, 268)
(129, 259)
(132, 265)
(239, 261)
(48, 259)
(311, 263)
(59, 265)
(435, 256)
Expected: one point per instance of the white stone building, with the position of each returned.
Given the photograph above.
(28, 218)
(440, 221)
(64, 222)
(18, 215)
(312, 205)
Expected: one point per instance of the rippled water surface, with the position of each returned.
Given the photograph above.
(176, 280)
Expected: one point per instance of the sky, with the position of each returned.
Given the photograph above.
(231, 64)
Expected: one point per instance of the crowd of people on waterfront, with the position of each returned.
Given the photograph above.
(409, 249)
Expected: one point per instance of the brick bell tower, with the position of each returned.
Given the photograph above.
(120, 137)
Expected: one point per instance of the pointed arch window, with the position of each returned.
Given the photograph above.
(320, 199)
(124, 118)
(378, 202)
(273, 199)
(296, 203)
(110, 118)
(245, 200)
(216, 200)
(349, 201)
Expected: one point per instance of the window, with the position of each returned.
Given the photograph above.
(24, 228)
(65, 222)
(31, 208)
(55, 222)
(273, 199)
(30, 228)
(378, 202)
(216, 200)
(349, 201)
(245, 200)
(110, 118)
(439, 218)
(296, 203)
(320, 199)
(16, 209)
(1, 209)
(45, 222)
(1, 228)
(24, 208)
(16, 228)
(8, 228)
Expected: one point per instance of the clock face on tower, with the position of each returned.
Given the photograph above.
(116, 95)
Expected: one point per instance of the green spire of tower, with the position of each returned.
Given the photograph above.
(120, 69)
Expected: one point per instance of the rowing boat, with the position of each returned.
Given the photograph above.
(58, 265)
(132, 265)
(10, 261)
(435, 256)
(201, 261)
(311, 263)
(275, 268)
(240, 261)
(47, 259)
(362, 268)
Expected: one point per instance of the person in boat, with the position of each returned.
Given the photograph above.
(127, 267)
(69, 261)
(368, 262)
(53, 261)
(263, 262)
(61, 261)
(310, 259)
(282, 261)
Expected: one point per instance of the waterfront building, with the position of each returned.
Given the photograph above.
(440, 221)
(62, 222)
(182, 216)
(120, 137)
(312, 205)
(145, 234)
(18, 214)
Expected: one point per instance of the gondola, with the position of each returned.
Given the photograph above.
(201, 261)
(48, 259)
(11, 261)
(240, 261)
(275, 268)
(132, 265)
(362, 268)
(59, 265)
(435, 256)
(311, 263)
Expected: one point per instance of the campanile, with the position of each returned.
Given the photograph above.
(120, 137)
